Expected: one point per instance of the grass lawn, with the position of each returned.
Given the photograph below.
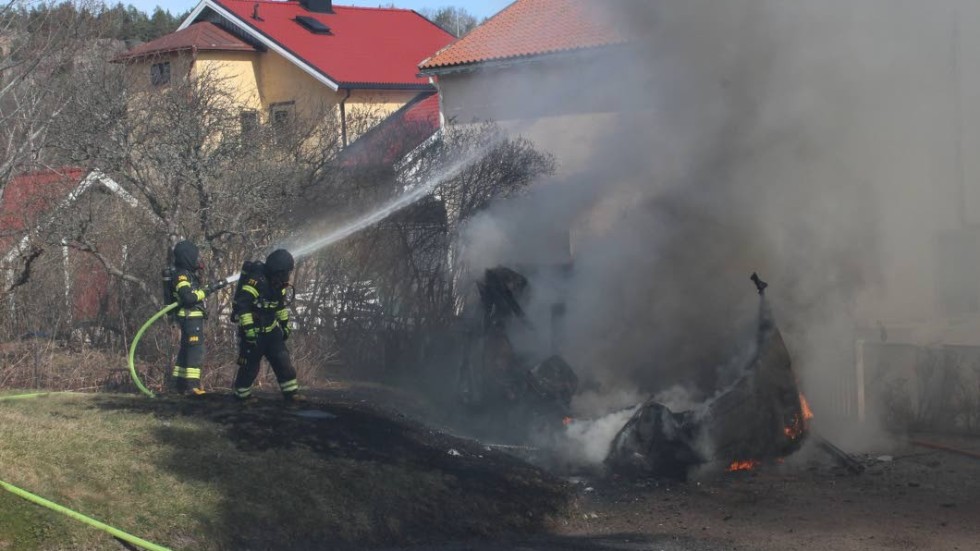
(210, 474)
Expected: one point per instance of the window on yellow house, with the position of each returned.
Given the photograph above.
(160, 73)
(249, 120)
(280, 114)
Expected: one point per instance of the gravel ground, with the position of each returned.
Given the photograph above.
(907, 498)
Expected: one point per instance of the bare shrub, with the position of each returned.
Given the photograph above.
(386, 295)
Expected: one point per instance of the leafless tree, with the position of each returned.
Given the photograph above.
(38, 56)
(387, 294)
(454, 19)
(194, 171)
(381, 297)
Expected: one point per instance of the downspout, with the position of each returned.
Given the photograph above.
(190, 66)
(442, 117)
(343, 118)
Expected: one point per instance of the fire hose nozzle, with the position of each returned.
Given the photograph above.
(221, 284)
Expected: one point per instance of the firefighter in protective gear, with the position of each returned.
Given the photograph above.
(263, 321)
(189, 294)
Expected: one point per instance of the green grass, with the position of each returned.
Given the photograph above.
(182, 481)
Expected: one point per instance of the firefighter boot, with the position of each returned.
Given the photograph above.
(293, 399)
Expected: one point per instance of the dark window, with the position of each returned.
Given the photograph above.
(280, 117)
(312, 25)
(280, 113)
(160, 73)
(249, 121)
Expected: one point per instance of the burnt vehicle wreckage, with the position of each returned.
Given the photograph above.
(760, 417)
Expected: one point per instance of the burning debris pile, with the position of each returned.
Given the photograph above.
(762, 416)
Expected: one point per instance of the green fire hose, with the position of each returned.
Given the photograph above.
(22, 396)
(220, 284)
(136, 340)
(115, 532)
(128, 538)
(19, 492)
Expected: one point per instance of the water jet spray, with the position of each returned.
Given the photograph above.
(408, 198)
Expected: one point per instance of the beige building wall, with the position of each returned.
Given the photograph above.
(560, 104)
(555, 106)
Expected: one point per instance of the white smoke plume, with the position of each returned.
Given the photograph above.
(817, 142)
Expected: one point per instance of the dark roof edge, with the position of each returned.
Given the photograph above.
(385, 86)
(503, 61)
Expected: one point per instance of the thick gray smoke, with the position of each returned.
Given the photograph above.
(817, 142)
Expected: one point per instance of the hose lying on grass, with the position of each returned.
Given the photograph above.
(115, 532)
(128, 538)
(22, 396)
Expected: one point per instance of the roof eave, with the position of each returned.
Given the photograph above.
(387, 86)
(498, 62)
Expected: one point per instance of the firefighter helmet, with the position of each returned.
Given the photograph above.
(279, 261)
(186, 256)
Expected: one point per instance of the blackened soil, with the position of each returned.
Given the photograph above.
(907, 498)
(525, 499)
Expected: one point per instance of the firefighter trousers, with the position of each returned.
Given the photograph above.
(190, 357)
(272, 346)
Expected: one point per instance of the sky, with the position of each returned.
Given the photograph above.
(479, 8)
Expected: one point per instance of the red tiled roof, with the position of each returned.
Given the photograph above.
(29, 196)
(365, 46)
(397, 135)
(200, 36)
(527, 28)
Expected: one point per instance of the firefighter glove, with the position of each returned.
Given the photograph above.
(199, 294)
(251, 335)
(285, 330)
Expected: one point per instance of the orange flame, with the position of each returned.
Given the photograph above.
(746, 465)
(807, 413)
(796, 429)
(566, 421)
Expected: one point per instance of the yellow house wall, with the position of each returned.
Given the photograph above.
(280, 81)
(237, 71)
(265, 79)
(138, 74)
